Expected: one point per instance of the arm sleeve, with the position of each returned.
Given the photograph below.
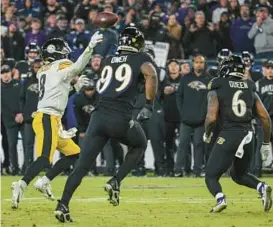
(253, 31)
(73, 70)
(179, 96)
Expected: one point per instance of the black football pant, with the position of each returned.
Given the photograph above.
(29, 137)
(5, 146)
(104, 125)
(223, 156)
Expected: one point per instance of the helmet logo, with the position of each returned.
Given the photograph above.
(51, 49)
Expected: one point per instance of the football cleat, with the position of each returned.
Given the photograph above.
(112, 188)
(42, 185)
(265, 192)
(17, 194)
(62, 213)
(221, 205)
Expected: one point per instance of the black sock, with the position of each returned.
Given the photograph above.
(35, 168)
(62, 164)
(213, 184)
(131, 159)
(247, 180)
(72, 183)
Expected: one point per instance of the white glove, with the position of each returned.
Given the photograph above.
(82, 81)
(67, 134)
(207, 138)
(265, 150)
(95, 39)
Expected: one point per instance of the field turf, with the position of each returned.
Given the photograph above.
(144, 202)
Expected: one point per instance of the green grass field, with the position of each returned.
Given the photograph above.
(156, 202)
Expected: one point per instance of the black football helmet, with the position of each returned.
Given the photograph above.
(232, 66)
(32, 47)
(131, 39)
(55, 49)
(223, 54)
(248, 58)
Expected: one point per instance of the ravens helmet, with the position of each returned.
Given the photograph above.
(32, 51)
(248, 58)
(232, 66)
(131, 39)
(55, 49)
(223, 54)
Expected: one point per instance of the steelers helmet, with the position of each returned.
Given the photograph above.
(131, 39)
(55, 49)
(232, 66)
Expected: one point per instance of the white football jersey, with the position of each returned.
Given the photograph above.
(54, 82)
(54, 87)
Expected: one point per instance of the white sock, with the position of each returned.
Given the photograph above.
(219, 195)
(22, 184)
(45, 179)
(259, 185)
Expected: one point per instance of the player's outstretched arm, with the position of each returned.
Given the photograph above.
(212, 114)
(151, 85)
(264, 117)
(85, 57)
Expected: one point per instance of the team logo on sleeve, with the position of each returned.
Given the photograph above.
(198, 85)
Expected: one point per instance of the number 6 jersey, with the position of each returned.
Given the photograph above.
(119, 78)
(236, 100)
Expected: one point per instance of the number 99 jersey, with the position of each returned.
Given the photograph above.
(236, 101)
(119, 78)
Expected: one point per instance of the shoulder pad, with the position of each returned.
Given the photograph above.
(64, 64)
(214, 84)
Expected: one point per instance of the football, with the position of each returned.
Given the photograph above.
(105, 19)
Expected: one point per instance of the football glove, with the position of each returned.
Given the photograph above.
(265, 149)
(145, 113)
(82, 81)
(95, 39)
(206, 138)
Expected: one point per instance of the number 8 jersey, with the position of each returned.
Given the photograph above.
(54, 87)
(119, 79)
(236, 100)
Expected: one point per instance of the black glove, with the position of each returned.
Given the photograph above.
(145, 113)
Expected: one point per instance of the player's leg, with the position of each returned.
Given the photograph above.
(136, 140)
(71, 152)
(46, 131)
(220, 160)
(240, 175)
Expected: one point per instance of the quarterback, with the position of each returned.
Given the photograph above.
(54, 78)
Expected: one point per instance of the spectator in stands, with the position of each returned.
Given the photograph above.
(53, 7)
(174, 33)
(250, 73)
(200, 37)
(50, 23)
(91, 16)
(171, 114)
(216, 14)
(185, 68)
(60, 31)
(78, 39)
(35, 34)
(13, 43)
(120, 25)
(82, 10)
(11, 113)
(223, 31)
(93, 71)
(156, 31)
(262, 33)
(192, 106)
(233, 9)
(28, 102)
(22, 25)
(239, 31)
(29, 10)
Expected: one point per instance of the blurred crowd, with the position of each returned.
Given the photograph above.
(200, 33)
